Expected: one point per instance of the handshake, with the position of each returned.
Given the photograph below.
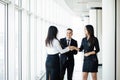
(73, 48)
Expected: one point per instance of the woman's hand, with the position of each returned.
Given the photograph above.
(89, 53)
(86, 54)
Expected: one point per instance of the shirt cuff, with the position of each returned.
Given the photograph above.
(67, 49)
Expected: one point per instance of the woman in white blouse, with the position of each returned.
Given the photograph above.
(53, 49)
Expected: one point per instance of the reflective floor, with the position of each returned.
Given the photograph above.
(77, 75)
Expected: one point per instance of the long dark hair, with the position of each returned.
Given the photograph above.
(52, 34)
(90, 30)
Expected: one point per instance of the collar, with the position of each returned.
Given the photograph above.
(68, 39)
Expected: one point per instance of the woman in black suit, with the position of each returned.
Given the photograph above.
(90, 45)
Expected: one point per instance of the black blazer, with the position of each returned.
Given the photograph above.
(69, 54)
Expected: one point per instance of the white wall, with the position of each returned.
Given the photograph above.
(96, 21)
(99, 35)
(93, 19)
(108, 40)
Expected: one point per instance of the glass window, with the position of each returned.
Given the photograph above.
(2, 42)
(39, 51)
(32, 47)
(16, 2)
(33, 5)
(44, 31)
(25, 47)
(16, 44)
(25, 4)
(39, 7)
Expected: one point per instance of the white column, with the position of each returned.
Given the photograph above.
(118, 39)
(96, 20)
(108, 40)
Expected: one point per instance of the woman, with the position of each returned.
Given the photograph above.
(90, 46)
(53, 48)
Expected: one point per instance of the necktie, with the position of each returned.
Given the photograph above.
(68, 42)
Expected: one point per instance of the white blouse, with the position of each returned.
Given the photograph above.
(56, 48)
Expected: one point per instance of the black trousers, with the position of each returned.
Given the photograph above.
(53, 67)
(66, 65)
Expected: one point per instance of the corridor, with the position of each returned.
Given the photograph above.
(24, 26)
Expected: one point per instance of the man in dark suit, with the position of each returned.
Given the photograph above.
(67, 59)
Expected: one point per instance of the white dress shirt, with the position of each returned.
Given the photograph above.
(56, 48)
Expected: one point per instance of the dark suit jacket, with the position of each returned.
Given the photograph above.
(68, 55)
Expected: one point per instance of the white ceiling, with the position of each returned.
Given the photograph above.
(81, 7)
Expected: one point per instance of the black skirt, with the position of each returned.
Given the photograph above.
(90, 64)
(53, 67)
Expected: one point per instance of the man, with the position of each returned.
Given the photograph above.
(67, 59)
